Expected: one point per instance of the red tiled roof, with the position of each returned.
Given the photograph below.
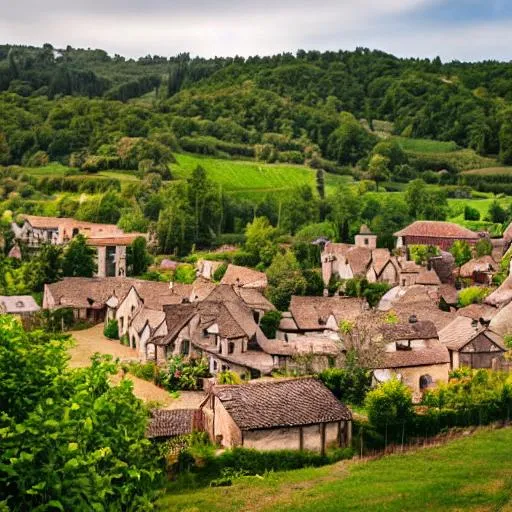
(174, 422)
(437, 229)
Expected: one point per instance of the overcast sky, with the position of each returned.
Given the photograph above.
(453, 29)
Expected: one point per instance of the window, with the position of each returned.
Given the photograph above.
(256, 316)
(205, 333)
(75, 232)
(185, 347)
(366, 241)
(215, 366)
(231, 347)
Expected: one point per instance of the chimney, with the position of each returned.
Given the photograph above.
(171, 285)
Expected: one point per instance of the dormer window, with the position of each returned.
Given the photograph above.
(20, 304)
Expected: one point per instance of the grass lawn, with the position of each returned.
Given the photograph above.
(482, 205)
(253, 178)
(470, 474)
(120, 175)
(425, 145)
(52, 170)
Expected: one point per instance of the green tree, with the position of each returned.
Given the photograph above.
(300, 209)
(284, 279)
(471, 213)
(378, 169)
(320, 183)
(79, 259)
(260, 240)
(415, 197)
(496, 213)
(345, 208)
(461, 251)
(138, 258)
(70, 440)
(269, 323)
(483, 247)
(392, 150)
(5, 152)
(45, 267)
(389, 407)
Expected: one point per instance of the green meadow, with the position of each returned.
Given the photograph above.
(473, 473)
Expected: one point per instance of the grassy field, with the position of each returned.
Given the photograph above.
(490, 171)
(470, 474)
(425, 145)
(249, 178)
(52, 170)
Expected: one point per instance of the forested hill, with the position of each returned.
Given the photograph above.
(251, 107)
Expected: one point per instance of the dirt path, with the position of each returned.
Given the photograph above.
(90, 341)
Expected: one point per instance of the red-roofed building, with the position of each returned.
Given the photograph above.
(436, 233)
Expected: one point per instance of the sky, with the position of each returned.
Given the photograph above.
(453, 29)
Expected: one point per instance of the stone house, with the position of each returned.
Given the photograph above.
(471, 344)
(296, 414)
(414, 354)
(346, 261)
(109, 241)
(314, 315)
(435, 233)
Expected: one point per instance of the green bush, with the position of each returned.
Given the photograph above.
(184, 374)
(349, 385)
(147, 371)
(472, 295)
(228, 377)
(219, 273)
(111, 330)
(471, 213)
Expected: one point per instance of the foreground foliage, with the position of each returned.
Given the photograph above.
(69, 440)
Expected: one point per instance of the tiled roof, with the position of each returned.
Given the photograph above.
(483, 264)
(284, 403)
(174, 422)
(478, 312)
(311, 313)
(254, 298)
(243, 276)
(176, 317)
(150, 316)
(436, 354)
(437, 229)
(201, 288)
(380, 258)
(449, 293)
(428, 278)
(422, 330)
(67, 224)
(359, 259)
(124, 239)
(462, 330)
(18, 304)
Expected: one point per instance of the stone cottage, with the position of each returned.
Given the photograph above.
(413, 352)
(296, 414)
(471, 344)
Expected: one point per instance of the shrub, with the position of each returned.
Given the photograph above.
(147, 371)
(38, 159)
(421, 254)
(269, 323)
(472, 295)
(111, 330)
(245, 259)
(228, 377)
(184, 374)
(483, 247)
(349, 385)
(185, 273)
(471, 213)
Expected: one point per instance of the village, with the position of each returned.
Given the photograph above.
(259, 388)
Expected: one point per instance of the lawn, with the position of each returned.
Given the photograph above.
(425, 145)
(252, 178)
(470, 474)
(52, 170)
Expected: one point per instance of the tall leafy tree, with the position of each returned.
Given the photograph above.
(138, 258)
(79, 259)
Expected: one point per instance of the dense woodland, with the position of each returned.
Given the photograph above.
(340, 113)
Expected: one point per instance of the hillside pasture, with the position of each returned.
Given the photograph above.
(472, 474)
(426, 145)
(251, 179)
(490, 171)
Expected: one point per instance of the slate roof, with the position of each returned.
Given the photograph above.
(422, 330)
(254, 298)
(176, 317)
(311, 313)
(147, 316)
(449, 293)
(437, 229)
(478, 312)
(18, 304)
(174, 422)
(435, 354)
(243, 276)
(282, 403)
